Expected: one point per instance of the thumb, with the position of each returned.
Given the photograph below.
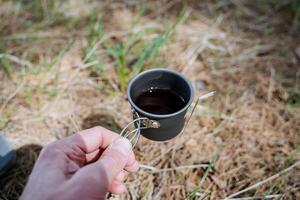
(115, 157)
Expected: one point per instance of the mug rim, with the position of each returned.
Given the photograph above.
(146, 114)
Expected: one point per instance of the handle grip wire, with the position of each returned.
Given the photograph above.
(139, 123)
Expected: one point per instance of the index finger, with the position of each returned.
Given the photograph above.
(92, 139)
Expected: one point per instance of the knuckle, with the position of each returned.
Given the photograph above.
(98, 128)
(101, 129)
(49, 151)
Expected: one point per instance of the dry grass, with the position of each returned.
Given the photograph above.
(63, 68)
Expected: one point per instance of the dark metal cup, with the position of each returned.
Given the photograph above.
(170, 124)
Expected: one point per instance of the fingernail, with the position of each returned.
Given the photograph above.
(122, 145)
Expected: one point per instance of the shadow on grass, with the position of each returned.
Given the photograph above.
(13, 182)
(106, 121)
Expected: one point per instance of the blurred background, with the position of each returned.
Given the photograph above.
(65, 66)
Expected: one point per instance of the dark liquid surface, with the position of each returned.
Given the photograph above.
(160, 101)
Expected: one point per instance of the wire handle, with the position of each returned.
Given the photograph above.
(202, 97)
(140, 123)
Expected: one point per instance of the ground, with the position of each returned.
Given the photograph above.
(65, 65)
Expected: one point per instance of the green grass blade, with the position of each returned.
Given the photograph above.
(5, 65)
(208, 170)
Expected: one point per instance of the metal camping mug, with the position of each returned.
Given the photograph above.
(170, 125)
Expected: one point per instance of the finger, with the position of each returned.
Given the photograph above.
(113, 160)
(118, 188)
(93, 156)
(120, 176)
(131, 165)
(72, 167)
(99, 176)
(90, 140)
(134, 167)
(115, 157)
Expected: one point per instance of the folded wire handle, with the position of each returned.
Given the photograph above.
(140, 123)
(202, 97)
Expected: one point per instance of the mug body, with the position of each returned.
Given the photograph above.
(171, 124)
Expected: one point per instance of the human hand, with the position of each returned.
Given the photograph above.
(85, 165)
